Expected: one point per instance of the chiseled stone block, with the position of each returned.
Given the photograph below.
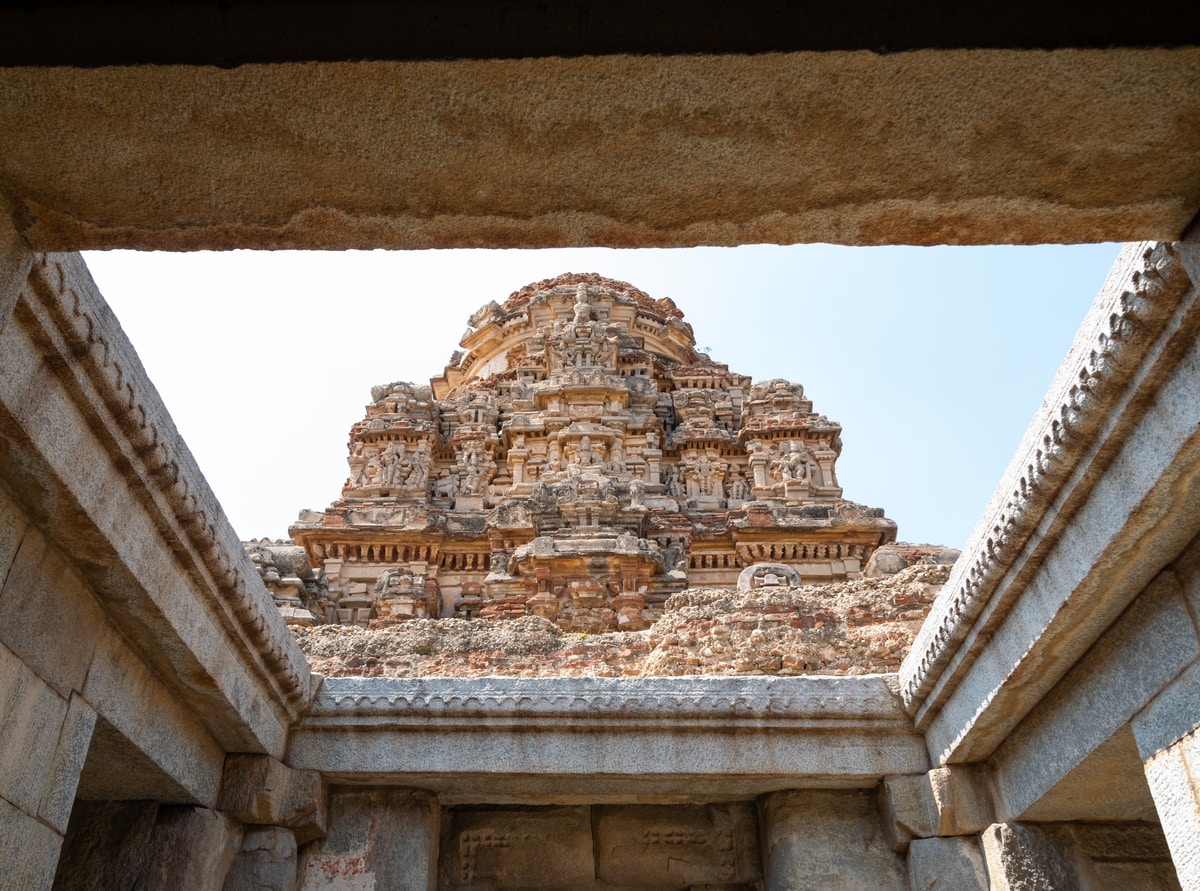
(258, 789)
(946, 864)
(107, 845)
(908, 809)
(669, 846)
(13, 524)
(63, 778)
(15, 260)
(961, 798)
(826, 839)
(1139, 655)
(515, 848)
(31, 720)
(1025, 858)
(1172, 775)
(192, 848)
(44, 604)
(266, 861)
(28, 850)
(377, 839)
(131, 698)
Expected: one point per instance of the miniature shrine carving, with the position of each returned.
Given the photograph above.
(579, 459)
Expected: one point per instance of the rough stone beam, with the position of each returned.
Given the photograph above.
(922, 147)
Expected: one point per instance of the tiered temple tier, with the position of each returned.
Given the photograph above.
(580, 460)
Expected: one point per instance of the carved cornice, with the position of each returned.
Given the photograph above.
(870, 700)
(1133, 310)
(97, 349)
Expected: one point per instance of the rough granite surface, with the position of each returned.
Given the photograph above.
(849, 628)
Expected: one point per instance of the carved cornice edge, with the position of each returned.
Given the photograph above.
(98, 347)
(867, 699)
(1132, 310)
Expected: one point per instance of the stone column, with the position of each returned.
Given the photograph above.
(1168, 739)
(143, 844)
(383, 838)
(1028, 856)
(826, 839)
(43, 744)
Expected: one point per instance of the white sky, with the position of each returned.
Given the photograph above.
(932, 359)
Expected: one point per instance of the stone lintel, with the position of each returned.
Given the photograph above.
(1151, 643)
(758, 132)
(1101, 496)
(605, 739)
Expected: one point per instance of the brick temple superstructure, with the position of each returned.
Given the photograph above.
(580, 459)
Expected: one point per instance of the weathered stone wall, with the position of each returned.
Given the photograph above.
(862, 627)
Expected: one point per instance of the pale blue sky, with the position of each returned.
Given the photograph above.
(933, 359)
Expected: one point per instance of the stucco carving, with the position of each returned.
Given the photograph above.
(580, 460)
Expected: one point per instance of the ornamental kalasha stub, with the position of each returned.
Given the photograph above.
(580, 460)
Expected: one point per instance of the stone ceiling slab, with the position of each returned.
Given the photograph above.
(923, 147)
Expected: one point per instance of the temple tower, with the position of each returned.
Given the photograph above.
(580, 459)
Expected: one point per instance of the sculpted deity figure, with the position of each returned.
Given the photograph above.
(387, 458)
(739, 490)
(397, 470)
(475, 470)
(673, 483)
(616, 456)
(707, 478)
(554, 456)
(422, 462)
(637, 493)
(583, 309)
(585, 455)
(792, 464)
